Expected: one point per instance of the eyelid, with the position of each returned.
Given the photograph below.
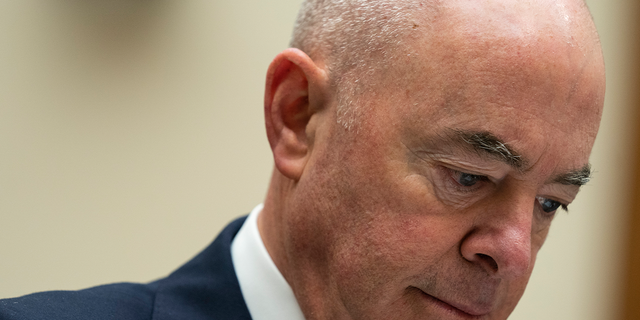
(495, 171)
(563, 205)
(457, 169)
(558, 192)
(490, 177)
(448, 189)
(495, 177)
(451, 181)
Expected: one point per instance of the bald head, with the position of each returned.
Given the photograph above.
(422, 148)
(363, 42)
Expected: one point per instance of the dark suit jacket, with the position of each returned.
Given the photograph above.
(204, 288)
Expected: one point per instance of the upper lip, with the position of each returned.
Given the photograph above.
(472, 309)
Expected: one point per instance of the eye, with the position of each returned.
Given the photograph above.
(549, 205)
(467, 179)
(461, 189)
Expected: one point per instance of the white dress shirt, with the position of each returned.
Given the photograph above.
(266, 292)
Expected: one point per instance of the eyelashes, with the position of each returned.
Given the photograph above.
(463, 182)
(468, 179)
(465, 186)
(549, 207)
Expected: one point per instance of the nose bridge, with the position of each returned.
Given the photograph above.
(501, 238)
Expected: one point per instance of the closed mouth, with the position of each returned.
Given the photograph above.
(461, 311)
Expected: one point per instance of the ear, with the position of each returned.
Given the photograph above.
(293, 94)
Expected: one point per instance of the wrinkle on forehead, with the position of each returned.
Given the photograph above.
(500, 47)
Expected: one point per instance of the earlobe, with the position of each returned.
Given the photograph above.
(293, 92)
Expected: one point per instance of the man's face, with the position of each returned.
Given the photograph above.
(420, 212)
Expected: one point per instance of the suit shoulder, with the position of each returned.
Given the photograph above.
(122, 301)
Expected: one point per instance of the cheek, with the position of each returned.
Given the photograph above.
(383, 227)
(394, 215)
(399, 237)
(377, 259)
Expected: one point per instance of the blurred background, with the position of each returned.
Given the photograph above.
(131, 132)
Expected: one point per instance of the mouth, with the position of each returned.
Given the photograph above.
(458, 309)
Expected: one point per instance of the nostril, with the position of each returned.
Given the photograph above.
(491, 263)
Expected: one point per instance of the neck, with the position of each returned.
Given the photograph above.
(278, 232)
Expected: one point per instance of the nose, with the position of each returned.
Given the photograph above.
(500, 240)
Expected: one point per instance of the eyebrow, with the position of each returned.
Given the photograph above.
(487, 144)
(578, 177)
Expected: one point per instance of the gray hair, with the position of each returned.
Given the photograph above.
(356, 39)
(360, 40)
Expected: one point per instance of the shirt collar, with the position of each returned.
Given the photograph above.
(265, 291)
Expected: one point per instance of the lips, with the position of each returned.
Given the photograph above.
(464, 311)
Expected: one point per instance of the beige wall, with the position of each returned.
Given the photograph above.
(131, 132)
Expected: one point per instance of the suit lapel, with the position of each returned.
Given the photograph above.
(206, 287)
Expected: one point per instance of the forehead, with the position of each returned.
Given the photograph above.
(521, 81)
